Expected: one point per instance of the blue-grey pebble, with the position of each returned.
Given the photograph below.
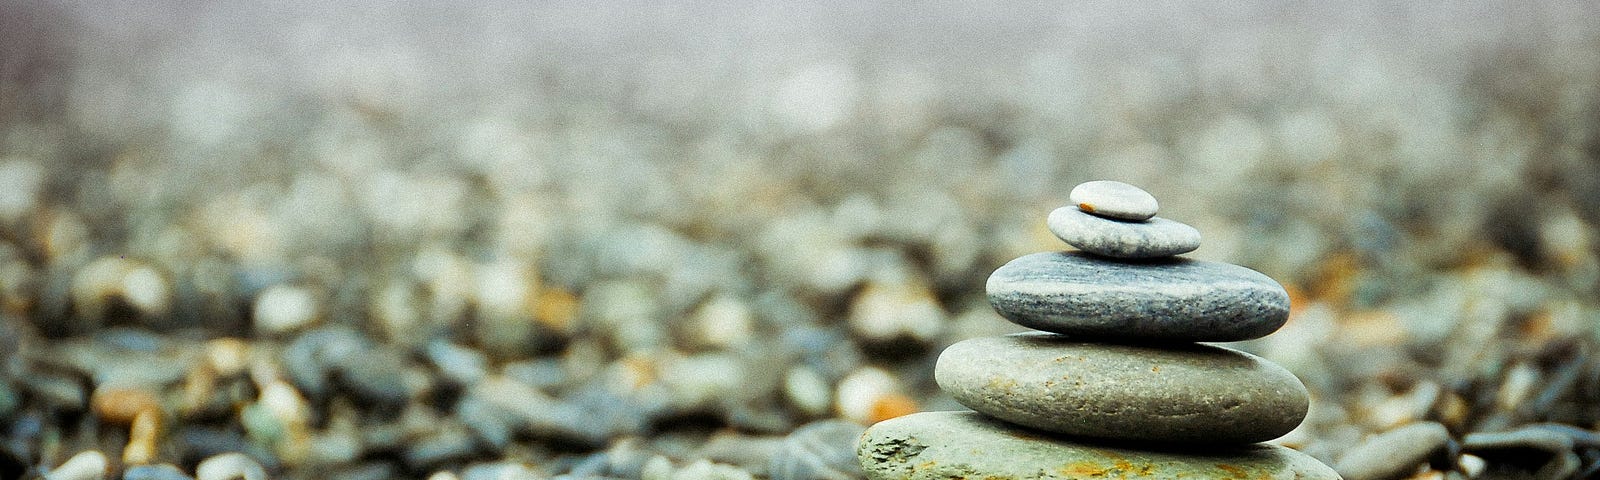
(820, 450)
(1393, 454)
(1550, 450)
(1153, 238)
(1173, 299)
(155, 472)
(947, 445)
(1180, 393)
(1113, 199)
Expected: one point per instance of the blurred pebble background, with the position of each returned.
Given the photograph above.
(702, 241)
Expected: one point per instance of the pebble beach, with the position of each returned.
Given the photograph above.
(708, 242)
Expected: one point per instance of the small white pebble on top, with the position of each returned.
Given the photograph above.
(1113, 199)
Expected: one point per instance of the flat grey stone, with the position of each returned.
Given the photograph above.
(1113, 199)
(1153, 238)
(967, 445)
(1393, 454)
(1549, 449)
(1174, 299)
(1180, 393)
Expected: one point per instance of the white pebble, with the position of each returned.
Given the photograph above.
(656, 468)
(1472, 465)
(87, 465)
(1113, 199)
(229, 466)
(705, 470)
(807, 390)
(889, 311)
(724, 322)
(283, 308)
(146, 290)
(860, 390)
(20, 183)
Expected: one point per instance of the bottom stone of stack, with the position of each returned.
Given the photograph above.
(968, 445)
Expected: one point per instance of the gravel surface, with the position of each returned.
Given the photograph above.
(686, 242)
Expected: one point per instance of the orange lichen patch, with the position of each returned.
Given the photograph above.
(555, 308)
(1001, 383)
(1372, 328)
(892, 405)
(1234, 471)
(1084, 469)
(123, 404)
(1086, 207)
(1127, 467)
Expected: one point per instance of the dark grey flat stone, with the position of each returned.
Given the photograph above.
(967, 445)
(1185, 393)
(1153, 238)
(1169, 299)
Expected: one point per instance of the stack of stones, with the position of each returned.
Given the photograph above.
(1116, 384)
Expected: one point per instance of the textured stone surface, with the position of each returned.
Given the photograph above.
(1174, 393)
(1169, 299)
(966, 445)
(1153, 238)
(1113, 199)
(1393, 454)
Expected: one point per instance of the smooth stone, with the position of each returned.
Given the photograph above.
(1393, 454)
(230, 466)
(155, 472)
(86, 465)
(946, 445)
(819, 450)
(1174, 299)
(1533, 445)
(1153, 238)
(1183, 393)
(1113, 199)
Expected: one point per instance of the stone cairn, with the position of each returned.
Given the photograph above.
(1115, 385)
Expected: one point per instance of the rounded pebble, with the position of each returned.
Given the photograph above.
(283, 308)
(121, 404)
(1173, 299)
(1153, 238)
(86, 465)
(1177, 393)
(1531, 445)
(1113, 199)
(819, 450)
(945, 445)
(229, 466)
(1393, 454)
(155, 472)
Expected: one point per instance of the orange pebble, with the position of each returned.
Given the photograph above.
(891, 406)
(142, 439)
(122, 404)
(556, 309)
